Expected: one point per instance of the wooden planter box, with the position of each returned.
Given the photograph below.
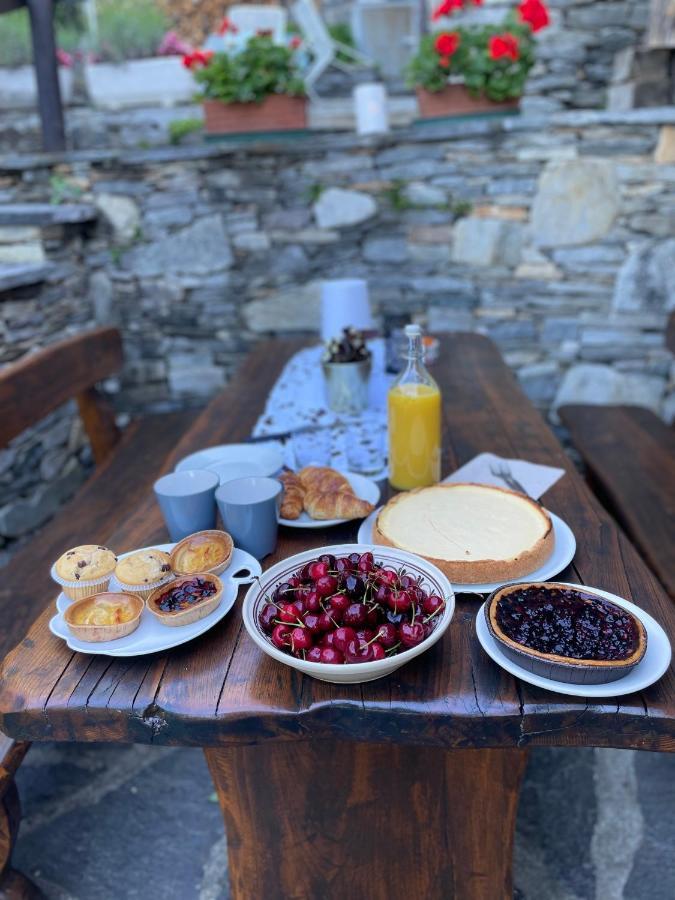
(455, 100)
(277, 112)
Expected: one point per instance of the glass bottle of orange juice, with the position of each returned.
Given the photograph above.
(414, 407)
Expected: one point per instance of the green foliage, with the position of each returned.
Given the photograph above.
(342, 33)
(314, 192)
(262, 68)
(396, 196)
(497, 79)
(63, 190)
(15, 43)
(461, 208)
(129, 29)
(181, 128)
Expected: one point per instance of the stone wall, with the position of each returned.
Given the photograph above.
(551, 235)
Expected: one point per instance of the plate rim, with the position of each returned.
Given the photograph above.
(329, 523)
(487, 587)
(593, 691)
(253, 446)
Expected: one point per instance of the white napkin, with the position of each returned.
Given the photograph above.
(534, 478)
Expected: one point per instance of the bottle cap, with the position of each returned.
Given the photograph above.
(412, 331)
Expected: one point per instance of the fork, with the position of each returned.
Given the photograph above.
(504, 472)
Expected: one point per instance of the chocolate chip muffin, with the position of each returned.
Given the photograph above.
(143, 571)
(84, 570)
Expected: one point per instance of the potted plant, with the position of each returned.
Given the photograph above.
(476, 68)
(250, 88)
(346, 364)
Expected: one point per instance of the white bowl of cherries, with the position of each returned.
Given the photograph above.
(348, 613)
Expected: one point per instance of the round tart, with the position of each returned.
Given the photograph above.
(84, 570)
(473, 533)
(106, 616)
(204, 551)
(186, 599)
(565, 632)
(143, 571)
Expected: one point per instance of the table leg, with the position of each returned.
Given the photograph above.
(13, 885)
(338, 819)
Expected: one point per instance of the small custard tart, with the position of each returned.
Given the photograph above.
(204, 551)
(143, 571)
(84, 570)
(106, 616)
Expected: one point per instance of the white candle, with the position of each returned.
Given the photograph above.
(370, 108)
(344, 303)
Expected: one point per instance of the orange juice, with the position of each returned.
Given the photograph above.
(414, 435)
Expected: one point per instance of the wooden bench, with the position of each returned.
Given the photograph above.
(630, 455)
(29, 389)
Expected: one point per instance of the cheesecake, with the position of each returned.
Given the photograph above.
(473, 533)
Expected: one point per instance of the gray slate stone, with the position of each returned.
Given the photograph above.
(337, 208)
(122, 213)
(385, 250)
(487, 242)
(645, 281)
(576, 203)
(200, 249)
(293, 309)
(599, 384)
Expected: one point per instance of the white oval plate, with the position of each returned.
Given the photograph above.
(364, 488)
(563, 554)
(268, 456)
(354, 673)
(151, 636)
(653, 665)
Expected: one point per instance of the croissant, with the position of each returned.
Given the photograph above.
(323, 478)
(340, 504)
(292, 501)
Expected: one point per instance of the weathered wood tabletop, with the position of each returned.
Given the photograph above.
(310, 771)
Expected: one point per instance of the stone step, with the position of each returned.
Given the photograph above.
(17, 276)
(46, 213)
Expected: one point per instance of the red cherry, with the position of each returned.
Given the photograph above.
(328, 559)
(314, 654)
(325, 585)
(281, 636)
(372, 616)
(331, 656)
(432, 604)
(301, 639)
(317, 570)
(313, 601)
(342, 636)
(339, 603)
(288, 613)
(366, 563)
(325, 622)
(411, 634)
(295, 582)
(326, 640)
(312, 623)
(299, 605)
(386, 634)
(355, 614)
(358, 652)
(388, 577)
(400, 601)
(377, 651)
(267, 616)
(383, 593)
(342, 565)
(365, 634)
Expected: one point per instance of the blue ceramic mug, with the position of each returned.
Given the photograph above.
(249, 508)
(187, 501)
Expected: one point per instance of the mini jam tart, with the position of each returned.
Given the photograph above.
(204, 551)
(106, 616)
(186, 599)
(565, 633)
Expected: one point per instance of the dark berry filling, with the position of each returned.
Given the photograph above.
(568, 623)
(186, 594)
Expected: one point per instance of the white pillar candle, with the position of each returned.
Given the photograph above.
(370, 108)
(344, 303)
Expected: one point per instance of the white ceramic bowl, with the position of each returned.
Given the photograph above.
(347, 673)
(228, 471)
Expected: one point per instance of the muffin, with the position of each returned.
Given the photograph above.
(143, 571)
(85, 570)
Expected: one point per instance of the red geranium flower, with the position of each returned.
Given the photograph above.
(535, 13)
(446, 43)
(197, 58)
(446, 8)
(504, 45)
(295, 42)
(444, 62)
(226, 26)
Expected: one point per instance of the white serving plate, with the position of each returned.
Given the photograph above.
(347, 673)
(563, 554)
(652, 666)
(151, 636)
(364, 488)
(267, 456)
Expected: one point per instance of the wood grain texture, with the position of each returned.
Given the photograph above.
(220, 690)
(630, 454)
(332, 820)
(40, 382)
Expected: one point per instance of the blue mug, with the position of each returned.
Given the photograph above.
(187, 501)
(249, 508)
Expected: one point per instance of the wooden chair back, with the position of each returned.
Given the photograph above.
(670, 333)
(39, 382)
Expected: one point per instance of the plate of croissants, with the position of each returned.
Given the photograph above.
(317, 497)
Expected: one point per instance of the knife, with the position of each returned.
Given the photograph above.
(285, 435)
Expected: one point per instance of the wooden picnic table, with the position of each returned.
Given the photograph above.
(403, 787)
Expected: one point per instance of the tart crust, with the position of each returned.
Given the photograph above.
(181, 553)
(499, 634)
(476, 571)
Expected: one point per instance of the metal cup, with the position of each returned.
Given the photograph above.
(347, 386)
